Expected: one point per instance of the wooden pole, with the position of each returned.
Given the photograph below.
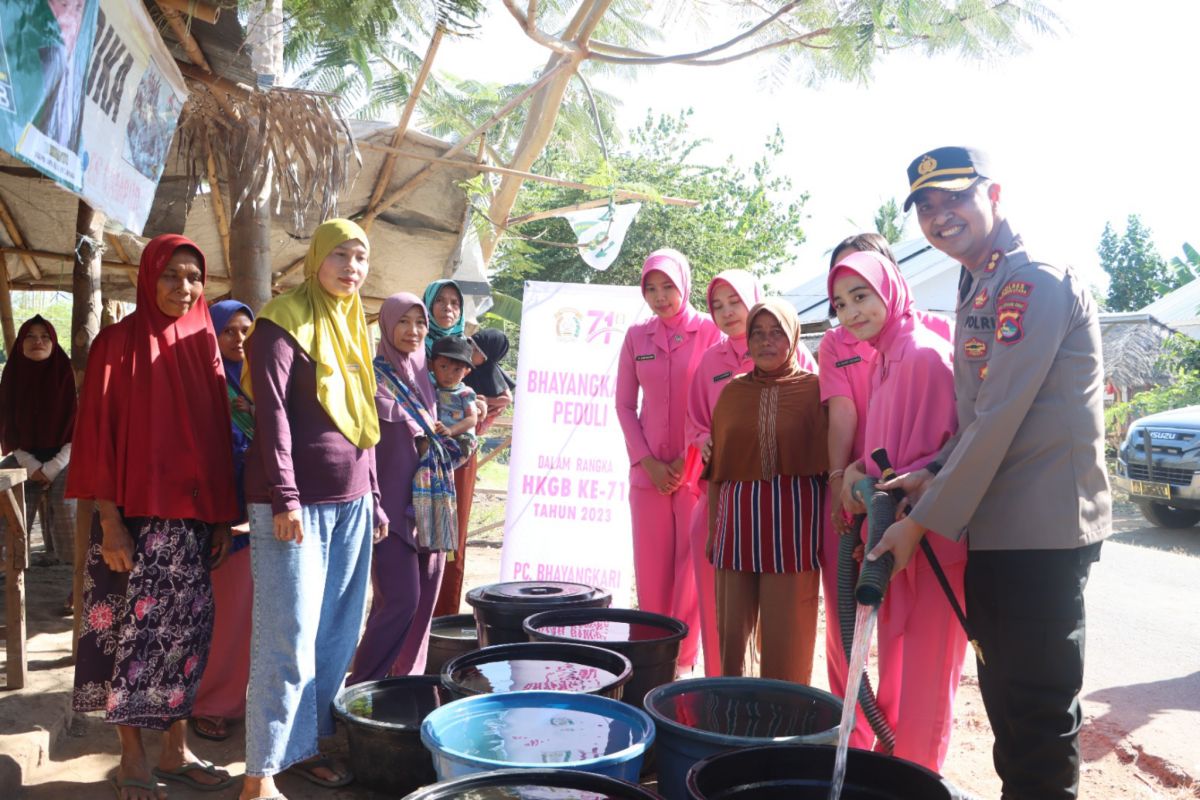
(6, 312)
(14, 233)
(85, 287)
(12, 510)
(250, 238)
(414, 94)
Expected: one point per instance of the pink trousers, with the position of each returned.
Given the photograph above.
(222, 691)
(921, 652)
(706, 591)
(662, 560)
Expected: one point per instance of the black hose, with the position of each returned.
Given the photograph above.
(847, 609)
(873, 580)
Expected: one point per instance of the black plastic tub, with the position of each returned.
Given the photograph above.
(699, 717)
(528, 666)
(449, 637)
(534, 784)
(383, 725)
(804, 771)
(649, 641)
(501, 608)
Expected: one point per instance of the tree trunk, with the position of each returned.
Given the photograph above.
(250, 243)
(85, 287)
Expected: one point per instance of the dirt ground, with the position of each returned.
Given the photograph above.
(77, 765)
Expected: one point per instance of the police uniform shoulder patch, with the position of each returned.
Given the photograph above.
(1009, 329)
(975, 348)
(1014, 289)
(981, 299)
(644, 357)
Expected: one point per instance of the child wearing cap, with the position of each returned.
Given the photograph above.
(457, 416)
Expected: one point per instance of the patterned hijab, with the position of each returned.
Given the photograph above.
(333, 331)
(437, 331)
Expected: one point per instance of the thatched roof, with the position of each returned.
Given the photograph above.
(1132, 345)
(412, 244)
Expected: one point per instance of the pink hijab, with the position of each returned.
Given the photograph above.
(748, 290)
(885, 279)
(675, 266)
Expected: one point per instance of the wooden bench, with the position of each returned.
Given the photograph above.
(16, 561)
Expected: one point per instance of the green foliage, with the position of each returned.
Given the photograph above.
(1188, 267)
(747, 218)
(889, 222)
(55, 307)
(1138, 275)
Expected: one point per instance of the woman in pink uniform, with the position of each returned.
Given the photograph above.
(845, 380)
(730, 297)
(658, 359)
(911, 413)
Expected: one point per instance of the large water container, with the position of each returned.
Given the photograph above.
(534, 784)
(803, 772)
(701, 717)
(534, 730)
(527, 666)
(450, 636)
(501, 608)
(383, 725)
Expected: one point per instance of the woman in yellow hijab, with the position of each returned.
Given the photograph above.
(313, 501)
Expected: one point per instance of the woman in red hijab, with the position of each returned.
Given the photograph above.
(152, 450)
(37, 416)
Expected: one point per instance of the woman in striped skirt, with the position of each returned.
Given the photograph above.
(765, 498)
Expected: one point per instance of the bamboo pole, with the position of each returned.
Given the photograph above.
(530, 176)
(417, 180)
(14, 233)
(115, 243)
(414, 94)
(18, 251)
(196, 9)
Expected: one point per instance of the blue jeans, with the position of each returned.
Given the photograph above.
(308, 608)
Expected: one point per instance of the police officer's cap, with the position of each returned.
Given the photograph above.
(951, 169)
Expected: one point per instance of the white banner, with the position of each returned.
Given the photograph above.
(603, 230)
(567, 517)
(134, 96)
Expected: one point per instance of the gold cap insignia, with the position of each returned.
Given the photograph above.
(928, 164)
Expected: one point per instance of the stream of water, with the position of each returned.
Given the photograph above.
(864, 627)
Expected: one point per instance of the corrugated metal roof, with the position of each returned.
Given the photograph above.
(1178, 305)
(919, 263)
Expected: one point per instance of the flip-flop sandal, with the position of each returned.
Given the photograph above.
(305, 770)
(205, 729)
(133, 783)
(180, 775)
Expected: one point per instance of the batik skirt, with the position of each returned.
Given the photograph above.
(146, 633)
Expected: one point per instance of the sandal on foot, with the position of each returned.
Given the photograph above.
(305, 770)
(120, 785)
(214, 729)
(180, 775)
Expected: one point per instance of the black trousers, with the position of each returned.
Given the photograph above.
(1026, 607)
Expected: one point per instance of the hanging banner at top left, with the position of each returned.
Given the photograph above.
(90, 96)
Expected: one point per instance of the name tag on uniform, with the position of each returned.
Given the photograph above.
(845, 362)
(722, 376)
(647, 357)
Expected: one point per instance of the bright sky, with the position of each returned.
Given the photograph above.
(1082, 129)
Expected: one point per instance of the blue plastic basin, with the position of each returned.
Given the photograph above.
(537, 730)
(701, 717)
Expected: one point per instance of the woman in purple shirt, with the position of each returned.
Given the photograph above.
(312, 500)
(404, 578)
